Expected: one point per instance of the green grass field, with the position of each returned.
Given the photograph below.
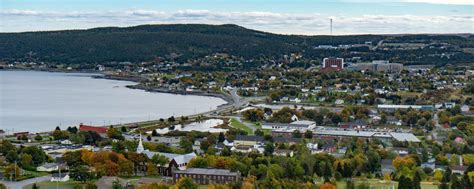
(381, 184)
(237, 124)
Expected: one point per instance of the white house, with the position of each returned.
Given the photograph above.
(66, 142)
(60, 177)
(48, 167)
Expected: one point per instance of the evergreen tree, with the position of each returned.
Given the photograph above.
(447, 175)
(416, 180)
(154, 133)
(221, 137)
(466, 182)
(455, 183)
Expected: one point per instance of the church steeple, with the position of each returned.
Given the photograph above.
(140, 148)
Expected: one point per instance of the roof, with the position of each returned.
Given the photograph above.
(179, 158)
(248, 138)
(458, 168)
(281, 151)
(93, 128)
(409, 137)
(391, 106)
(287, 140)
(49, 165)
(303, 122)
(202, 171)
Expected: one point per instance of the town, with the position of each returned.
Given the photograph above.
(288, 123)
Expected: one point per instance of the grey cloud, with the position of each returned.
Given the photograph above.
(267, 21)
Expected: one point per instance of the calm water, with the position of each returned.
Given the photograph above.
(40, 101)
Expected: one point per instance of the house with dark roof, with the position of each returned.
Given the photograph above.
(248, 140)
(358, 124)
(287, 140)
(208, 176)
(458, 169)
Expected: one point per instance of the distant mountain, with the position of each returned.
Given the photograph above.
(146, 42)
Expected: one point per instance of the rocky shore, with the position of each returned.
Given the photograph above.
(223, 96)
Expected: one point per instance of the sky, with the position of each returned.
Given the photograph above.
(307, 17)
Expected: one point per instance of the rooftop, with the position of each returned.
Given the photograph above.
(248, 138)
(202, 171)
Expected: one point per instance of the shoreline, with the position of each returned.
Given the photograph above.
(222, 96)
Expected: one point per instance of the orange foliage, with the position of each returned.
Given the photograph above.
(327, 185)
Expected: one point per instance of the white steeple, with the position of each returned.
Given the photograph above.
(140, 148)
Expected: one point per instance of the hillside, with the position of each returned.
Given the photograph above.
(146, 42)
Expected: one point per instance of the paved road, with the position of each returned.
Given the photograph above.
(237, 102)
(249, 125)
(23, 183)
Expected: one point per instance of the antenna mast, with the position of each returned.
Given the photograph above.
(330, 21)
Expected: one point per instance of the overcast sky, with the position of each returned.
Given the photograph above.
(277, 16)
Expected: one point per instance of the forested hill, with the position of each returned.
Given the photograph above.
(146, 42)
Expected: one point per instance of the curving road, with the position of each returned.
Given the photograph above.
(24, 183)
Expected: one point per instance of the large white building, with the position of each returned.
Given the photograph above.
(378, 66)
(300, 125)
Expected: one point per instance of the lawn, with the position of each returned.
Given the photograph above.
(380, 184)
(237, 124)
(61, 185)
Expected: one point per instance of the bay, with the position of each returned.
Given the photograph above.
(39, 101)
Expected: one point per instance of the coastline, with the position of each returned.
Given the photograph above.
(138, 79)
(222, 96)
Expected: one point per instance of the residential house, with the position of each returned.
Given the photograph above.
(48, 167)
(247, 140)
(169, 141)
(392, 120)
(283, 152)
(358, 124)
(197, 145)
(60, 177)
(287, 140)
(66, 142)
(208, 176)
(242, 149)
(458, 169)
(400, 151)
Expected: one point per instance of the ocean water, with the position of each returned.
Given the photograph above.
(39, 101)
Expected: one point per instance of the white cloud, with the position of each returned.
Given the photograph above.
(443, 2)
(313, 23)
(448, 2)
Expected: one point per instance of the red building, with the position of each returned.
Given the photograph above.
(333, 63)
(100, 130)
